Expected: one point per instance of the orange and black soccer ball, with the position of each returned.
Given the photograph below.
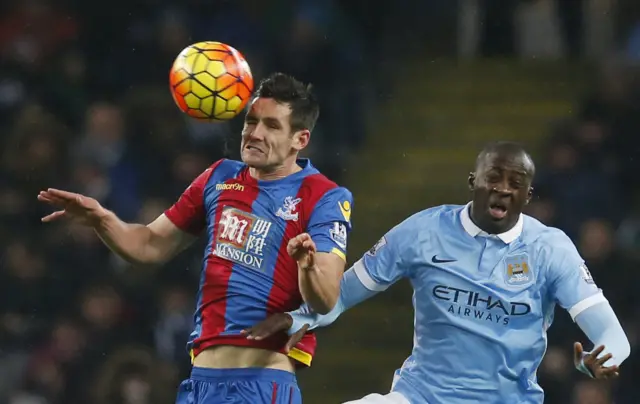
(211, 81)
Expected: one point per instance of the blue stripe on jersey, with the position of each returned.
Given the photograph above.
(225, 171)
(249, 289)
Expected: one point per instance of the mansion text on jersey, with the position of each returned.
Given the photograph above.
(234, 254)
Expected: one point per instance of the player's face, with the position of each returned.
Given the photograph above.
(501, 188)
(268, 142)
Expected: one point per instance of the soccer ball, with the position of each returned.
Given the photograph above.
(211, 81)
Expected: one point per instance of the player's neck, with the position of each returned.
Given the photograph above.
(278, 173)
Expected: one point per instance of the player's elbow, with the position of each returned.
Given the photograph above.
(326, 299)
(617, 344)
(145, 260)
(319, 301)
(622, 351)
(324, 306)
(147, 254)
(320, 308)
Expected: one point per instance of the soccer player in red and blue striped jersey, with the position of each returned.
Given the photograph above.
(276, 236)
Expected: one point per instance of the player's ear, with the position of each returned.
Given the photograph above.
(301, 139)
(471, 180)
(529, 195)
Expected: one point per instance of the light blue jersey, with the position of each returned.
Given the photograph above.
(483, 303)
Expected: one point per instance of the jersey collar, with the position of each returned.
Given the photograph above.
(508, 236)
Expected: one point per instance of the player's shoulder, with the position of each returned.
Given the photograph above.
(319, 183)
(434, 215)
(225, 169)
(228, 164)
(431, 218)
(415, 232)
(545, 237)
(317, 186)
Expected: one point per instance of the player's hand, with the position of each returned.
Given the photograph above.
(302, 249)
(71, 205)
(594, 364)
(276, 323)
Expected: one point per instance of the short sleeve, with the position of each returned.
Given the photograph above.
(188, 213)
(572, 285)
(330, 221)
(386, 262)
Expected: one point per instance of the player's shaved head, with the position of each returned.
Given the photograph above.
(504, 150)
(501, 186)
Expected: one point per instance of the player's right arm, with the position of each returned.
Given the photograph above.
(155, 243)
(382, 266)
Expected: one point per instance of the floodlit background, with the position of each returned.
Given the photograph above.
(410, 91)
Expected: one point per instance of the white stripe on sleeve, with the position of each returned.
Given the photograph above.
(366, 279)
(585, 304)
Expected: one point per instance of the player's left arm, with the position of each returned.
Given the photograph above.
(574, 289)
(328, 228)
(601, 326)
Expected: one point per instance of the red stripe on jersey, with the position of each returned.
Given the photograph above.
(285, 291)
(274, 394)
(218, 270)
(189, 213)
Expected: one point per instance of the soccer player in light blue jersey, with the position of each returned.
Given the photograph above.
(486, 281)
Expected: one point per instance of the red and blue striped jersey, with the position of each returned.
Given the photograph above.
(246, 272)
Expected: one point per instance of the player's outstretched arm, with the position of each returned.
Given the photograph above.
(352, 292)
(136, 243)
(388, 261)
(155, 243)
(601, 326)
(296, 323)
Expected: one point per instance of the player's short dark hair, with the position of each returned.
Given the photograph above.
(513, 148)
(286, 89)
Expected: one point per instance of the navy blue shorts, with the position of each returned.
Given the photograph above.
(239, 386)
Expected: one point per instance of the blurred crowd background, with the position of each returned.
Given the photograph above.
(84, 106)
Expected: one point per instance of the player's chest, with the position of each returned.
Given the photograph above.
(503, 284)
(250, 226)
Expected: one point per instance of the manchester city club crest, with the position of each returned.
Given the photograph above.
(518, 270)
